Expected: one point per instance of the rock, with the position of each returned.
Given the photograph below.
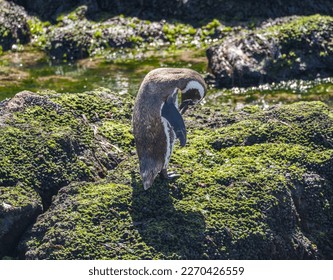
(14, 28)
(291, 48)
(70, 42)
(19, 208)
(48, 141)
(184, 10)
(75, 37)
(254, 185)
(48, 9)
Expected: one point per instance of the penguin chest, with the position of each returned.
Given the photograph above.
(170, 138)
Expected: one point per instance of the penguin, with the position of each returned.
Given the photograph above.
(157, 119)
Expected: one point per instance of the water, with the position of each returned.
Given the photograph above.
(18, 72)
(266, 95)
(32, 71)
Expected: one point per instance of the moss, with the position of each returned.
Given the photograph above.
(118, 134)
(38, 30)
(98, 34)
(244, 188)
(211, 28)
(136, 40)
(57, 129)
(18, 196)
(95, 105)
(299, 27)
(45, 170)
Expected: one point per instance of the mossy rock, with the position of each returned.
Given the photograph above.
(254, 185)
(14, 28)
(279, 50)
(47, 141)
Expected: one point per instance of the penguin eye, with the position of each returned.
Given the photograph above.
(192, 94)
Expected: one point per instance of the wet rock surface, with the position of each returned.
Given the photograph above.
(288, 48)
(76, 37)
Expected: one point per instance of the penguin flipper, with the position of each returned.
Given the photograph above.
(172, 115)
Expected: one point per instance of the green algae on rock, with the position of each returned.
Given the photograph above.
(254, 185)
(14, 28)
(287, 48)
(19, 207)
(48, 141)
(80, 38)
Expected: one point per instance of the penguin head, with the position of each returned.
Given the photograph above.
(148, 179)
(148, 172)
(167, 80)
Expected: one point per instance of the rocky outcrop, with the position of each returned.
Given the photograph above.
(75, 37)
(289, 48)
(14, 28)
(47, 142)
(254, 184)
(189, 10)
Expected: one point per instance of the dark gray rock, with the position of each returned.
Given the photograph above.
(14, 28)
(264, 193)
(70, 42)
(80, 38)
(19, 208)
(185, 10)
(290, 48)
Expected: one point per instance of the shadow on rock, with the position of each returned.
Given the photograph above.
(186, 11)
(176, 232)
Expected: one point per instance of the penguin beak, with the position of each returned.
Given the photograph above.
(189, 98)
(185, 104)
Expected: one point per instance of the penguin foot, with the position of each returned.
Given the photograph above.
(168, 176)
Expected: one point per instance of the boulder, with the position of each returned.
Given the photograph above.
(14, 28)
(48, 141)
(19, 208)
(289, 48)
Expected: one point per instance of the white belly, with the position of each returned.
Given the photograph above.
(170, 141)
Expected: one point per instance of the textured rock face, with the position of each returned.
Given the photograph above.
(19, 208)
(191, 10)
(47, 142)
(14, 28)
(254, 185)
(288, 48)
(80, 38)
